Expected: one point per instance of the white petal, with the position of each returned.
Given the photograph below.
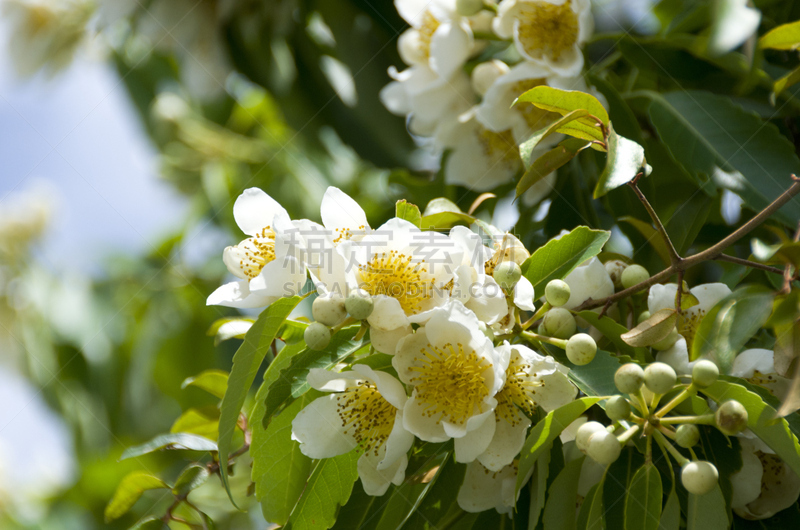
(389, 387)
(523, 294)
(451, 45)
(387, 313)
(254, 210)
(506, 444)
(457, 430)
(677, 357)
(451, 324)
(279, 278)
(747, 362)
(339, 210)
(488, 301)
(558, 390)
(589, 280)
(423, 427)
(475, 442)
(386, 341)
(328, 381)
(408, 349)
(411, 10)
(482, 489)
(397, 445)
(376, 482)
(591, 473)
(319, 430)
(746, 482)
(237, 294)
(708, 294)
(661, 297)
(395, 98)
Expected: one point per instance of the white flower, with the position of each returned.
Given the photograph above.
(588, 280)
(764, 485)
(455, 373)
(757, 366)
(483, 489)
(547, 32)
(406, 271)
(364, 411)
(707, 294)
(531, 380)
(263, 261)
(507, 247)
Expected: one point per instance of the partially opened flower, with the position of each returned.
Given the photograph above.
(589, 280)
(764, 485)
(507, 247)
(363, 412)
(455, 373)
(547, 32)
(531, 380)
(757, 365)
(264, 261)
(483, 489)
(707, 294)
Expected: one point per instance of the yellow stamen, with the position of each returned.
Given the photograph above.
(426, 31)
(518, 394)
(255, 252)
(546, 29)
(366, 415)
(399, 276)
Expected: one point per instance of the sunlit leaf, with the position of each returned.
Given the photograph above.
(564, 102)
(528, 145)
(624, 161)
(707, 512)
(129, 491)
(212, 381)
(328, 487)
(195, 422)
(185, 441)
(785, 37)
(409, 212)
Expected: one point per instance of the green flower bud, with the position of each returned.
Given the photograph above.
(317, 336)
(618, 408)
(328, 309)
(634, 274)
(557, 293)
(507, 274)
(581, 349)
(467, 8)
(659, 378)
(667, 342)
(731, 417)
(699, 477)
(704, 374)
(687, 435)
(585, 432)
(629, 378)
(359, 304)
(604, 448)
(644, 315)
(559, 323)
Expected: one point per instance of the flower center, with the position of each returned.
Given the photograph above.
(450, 384)
(246, 259)
(346, 234)
(366, 415)
(547, 29)
(517, 395)
(399, 276)
(426, 30)
(499, 148)
(766, 381)
(688, 323)
(535, 117)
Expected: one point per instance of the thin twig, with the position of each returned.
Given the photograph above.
(748, 263)
(674, 257)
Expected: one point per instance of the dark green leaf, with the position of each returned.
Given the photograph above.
(409, 212)
(671, 516)
(790, 79)
(651, 235)
(727, 326)
(328, 487)
(549, 162)
(617, 483)
(178, 440)
(595, 378)
(526, 147)
(544, 432)
(643, 502)
(684, 225)
(440, 499)
(591, 516)
(624, 161)
(246, 362)
(193, 476)
(611, 329)
(559, 512)
(558, 257)
(129, 491)
(212, 381)
(707, 512)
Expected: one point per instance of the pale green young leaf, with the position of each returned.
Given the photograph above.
(409, 212)
(785, 37)
(790, 79)
(624, 161)
(212, 381)
(526, 147)
(129, 491)
(564, 102)
(195, 422)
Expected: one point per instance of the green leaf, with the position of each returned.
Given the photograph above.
(526, 147)
(212, 381)
(288, 378)
(591, 515)
(790, 79)
(192, 477)
(595, 378)
(785, 37)
(761, 420)
(617, 483)
(651, 235)
(544, 432)
(559, 512)
(707, 512)
(624, 161)
(440, 497)
(727, 326)
(328, 487)
(445, 220)
(566, 101)
(539, 487)
(558, 257)
(292, 331)
(671, 516)
(656, 328)
(149, 523)
(611, 329)
(409, 212)
(549, 162)
(704, 131)
(280, 470)
(643, 503)
(129, 491)
(688, 220)
(195, 422)
(246, 362)
(179, 440)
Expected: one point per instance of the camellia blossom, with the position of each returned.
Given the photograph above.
(764, 485)
(455, 373)
(531, 380)
(588, 280)
(364, 411)
(263, 262)
(483, 489)
(547, 32)
(708, 294)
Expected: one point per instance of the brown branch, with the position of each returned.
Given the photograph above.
(748, 263)
(674, 257)
(710, 253)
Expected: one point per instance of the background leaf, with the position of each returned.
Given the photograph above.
(129, 491)
(178, 440)
(559, 511)
(328, 487)
(643, 502)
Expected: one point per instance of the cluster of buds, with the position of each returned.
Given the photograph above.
(331, 313)
(637, 411)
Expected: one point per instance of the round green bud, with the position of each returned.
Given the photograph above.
(328, 309)
(359, 304)
(659, 378)
(559, 323)
(467, 8)
(618, 408)
(604, 448)
(615, 268)
(634, 274)
(667, 342)
(557, 293)
(687, 435)
(699, 477)
(731, 417)
(581, 349)
(644, 315)
(317, 336)
(585, 432)
(704, 374)
(629, 378)
(507, 274)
